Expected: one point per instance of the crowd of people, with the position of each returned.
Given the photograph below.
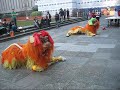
(61, 16)
(46, 20)
(11, 26)
(8, 27)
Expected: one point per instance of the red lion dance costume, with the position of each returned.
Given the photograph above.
(90, 29)
(36, 54)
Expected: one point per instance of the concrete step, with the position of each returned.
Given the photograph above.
(31, 29)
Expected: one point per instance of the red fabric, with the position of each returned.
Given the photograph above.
(44, 33)
(37, 40)
(119, 13)
(93, 15)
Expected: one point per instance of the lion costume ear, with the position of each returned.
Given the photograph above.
(31, 39)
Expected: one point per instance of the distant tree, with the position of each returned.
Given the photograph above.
(35, 8)
(23, 13)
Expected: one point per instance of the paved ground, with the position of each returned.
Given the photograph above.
(91, 62)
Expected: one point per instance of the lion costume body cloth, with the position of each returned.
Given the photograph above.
(35, 54)
(90, 29)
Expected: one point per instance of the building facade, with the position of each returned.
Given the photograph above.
(98, 3)
(6, 6)
(54, 5)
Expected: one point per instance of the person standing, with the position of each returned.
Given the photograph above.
(14, 19)
(57, 19)
(64, 14)
(61, 13)
(48, 19)
(68, 14)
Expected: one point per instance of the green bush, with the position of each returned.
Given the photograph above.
(36, 13)
(23, 13)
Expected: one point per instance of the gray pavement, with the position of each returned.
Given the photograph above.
(91, 62)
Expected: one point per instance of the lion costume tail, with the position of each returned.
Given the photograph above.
(75, 30)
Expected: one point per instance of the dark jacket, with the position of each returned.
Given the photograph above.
(56, 17)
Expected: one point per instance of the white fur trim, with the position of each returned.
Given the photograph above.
(15, 45)
(67, 35)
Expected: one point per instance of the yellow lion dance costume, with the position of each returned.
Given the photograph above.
(90, 29)
(36, 54)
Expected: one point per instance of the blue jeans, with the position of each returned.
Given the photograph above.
(14, 28)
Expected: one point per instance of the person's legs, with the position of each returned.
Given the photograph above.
(14, 28)
(68, 17)
(15, 21)
(57, 24)
(64, 17)
(49, 23)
